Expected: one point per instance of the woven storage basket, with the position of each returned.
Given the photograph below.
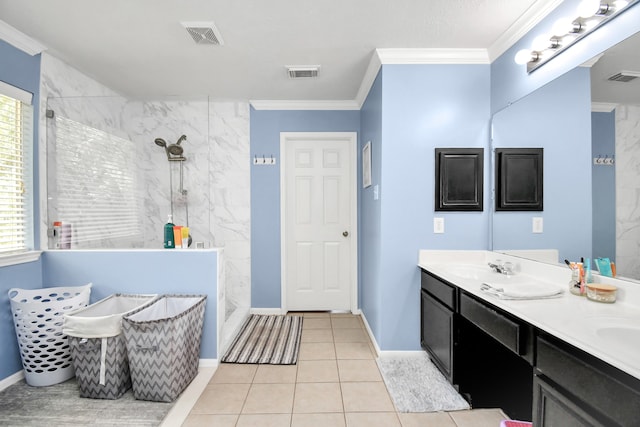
(163, 345)
(97, 345)
(38, 318)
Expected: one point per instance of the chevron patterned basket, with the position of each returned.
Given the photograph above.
(98, 347)
(163, 346)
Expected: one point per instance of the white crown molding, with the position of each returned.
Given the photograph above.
(20, 40)
(304, 105)
(590, 63)
(433, 56)
(368, 79)
(527, 21)
(603, 107)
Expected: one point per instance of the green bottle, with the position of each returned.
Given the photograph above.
(168, 234)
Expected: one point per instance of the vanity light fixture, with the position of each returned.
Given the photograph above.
(591, 14)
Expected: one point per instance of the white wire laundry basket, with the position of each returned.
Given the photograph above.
(38, 319)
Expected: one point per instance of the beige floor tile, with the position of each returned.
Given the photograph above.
(317, 335)
(264, 420)
(312, 398)
(317, 371)
(431, 419)
(372, 419)
(204, 420)
(358, 370)
(317, 351)
(350, 335)
(318, 420)
(343, 315)
(478, 417)
(269, 399)
(346, 322)
(234, 373)
(366, 397)
(353, 350)
(221, 399)
(316, 323)
(276, 374)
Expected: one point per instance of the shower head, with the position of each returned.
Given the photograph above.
(175, 150)
(160, 142)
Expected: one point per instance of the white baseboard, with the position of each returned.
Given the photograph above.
(11, 380)
(370, 332)
(208, 363)
(407, 353)
(267, 311)
(181, 409)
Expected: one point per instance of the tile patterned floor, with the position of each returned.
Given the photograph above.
(335, 383)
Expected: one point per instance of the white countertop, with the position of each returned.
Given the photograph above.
(610, 332)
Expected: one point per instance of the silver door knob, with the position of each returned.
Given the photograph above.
(345, 233)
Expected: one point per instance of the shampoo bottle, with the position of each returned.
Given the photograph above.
(168, 234)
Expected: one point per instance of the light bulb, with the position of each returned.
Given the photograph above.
(562, 26)
(620, 4)
(523, 56)
(588, 8)
(541, 42)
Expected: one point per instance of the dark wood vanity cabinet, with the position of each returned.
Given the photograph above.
(574, 388)
(437, 324)
(495, 359)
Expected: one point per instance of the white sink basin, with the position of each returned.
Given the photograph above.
(486, 274)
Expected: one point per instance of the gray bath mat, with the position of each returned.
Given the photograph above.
(267, 339)
(416, 385)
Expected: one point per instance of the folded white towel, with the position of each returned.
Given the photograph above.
(523, 291)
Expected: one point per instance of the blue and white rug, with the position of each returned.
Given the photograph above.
(416, 385)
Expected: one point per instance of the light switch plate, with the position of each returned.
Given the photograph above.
(537, 224)
(376, 192)
(438, 225)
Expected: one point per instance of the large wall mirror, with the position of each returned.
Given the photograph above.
(589, 127)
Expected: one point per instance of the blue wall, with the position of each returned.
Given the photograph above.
(23, 71)
(370, 243)
(603, 133)
(265, 190)
(143, 272)
(553, 117)
(423, 107)
(24, 276)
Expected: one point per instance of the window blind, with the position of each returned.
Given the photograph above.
(96, 184)
(15, 132)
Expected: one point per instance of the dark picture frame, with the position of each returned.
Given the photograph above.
(519, 179)
(459, 179)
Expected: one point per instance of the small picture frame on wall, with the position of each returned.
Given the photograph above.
(366, 165)
(519, 179)
(459, 179)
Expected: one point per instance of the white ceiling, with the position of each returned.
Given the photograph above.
(140, 49)
(621, 57)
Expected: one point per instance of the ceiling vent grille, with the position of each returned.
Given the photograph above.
(304, 72)
(204, 33)
(624, 76)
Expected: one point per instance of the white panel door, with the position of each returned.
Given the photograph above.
(318, 229)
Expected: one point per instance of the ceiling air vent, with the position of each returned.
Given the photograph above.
(204, 32)
(303, 72)
(624, 76)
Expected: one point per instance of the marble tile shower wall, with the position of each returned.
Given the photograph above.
(216, 173)
(628, 190)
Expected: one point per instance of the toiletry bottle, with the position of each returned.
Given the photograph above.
(574, 282)
(185, 237)
(177, 236)
(168, 234)
(57, 228)
(588, 274)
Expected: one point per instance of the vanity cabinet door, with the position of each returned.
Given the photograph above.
(437, 333)
(553, 409)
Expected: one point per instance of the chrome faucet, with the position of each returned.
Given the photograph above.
(505, 268)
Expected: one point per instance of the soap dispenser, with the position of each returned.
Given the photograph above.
(169, 243)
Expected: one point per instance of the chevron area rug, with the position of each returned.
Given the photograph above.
(267, 339)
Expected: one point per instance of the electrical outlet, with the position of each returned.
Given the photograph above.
(438, 225)
(537, 224)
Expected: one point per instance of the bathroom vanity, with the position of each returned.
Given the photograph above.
(560, 361)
